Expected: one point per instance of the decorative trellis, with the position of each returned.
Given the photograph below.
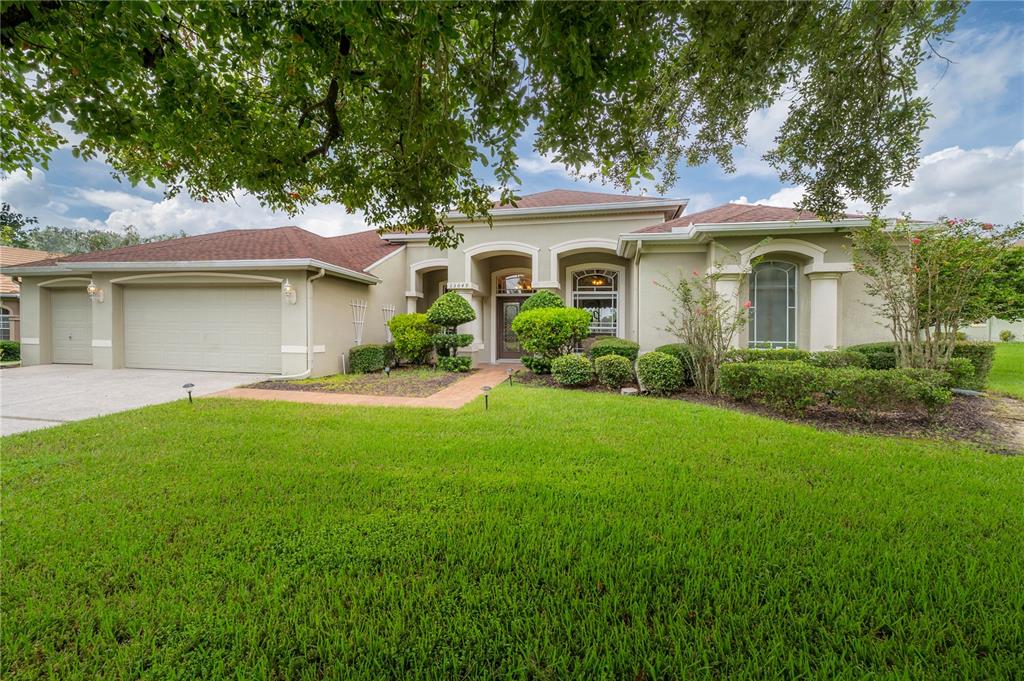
(358, 317)
(389, 312)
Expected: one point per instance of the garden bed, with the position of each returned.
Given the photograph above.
(402, 382)
(975, 420)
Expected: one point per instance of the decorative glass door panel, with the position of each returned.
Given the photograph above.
(508, 344)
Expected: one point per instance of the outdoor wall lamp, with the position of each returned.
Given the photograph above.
(289, 292)
(94, 291)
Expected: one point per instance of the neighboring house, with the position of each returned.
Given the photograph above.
(287, 301)
(10, 295)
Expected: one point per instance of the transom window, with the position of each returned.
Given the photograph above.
(597, 292)
(5, 324)
(517, 284)
(773, 310)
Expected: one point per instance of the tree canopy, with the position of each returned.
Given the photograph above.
(18, 230)
(392, 108)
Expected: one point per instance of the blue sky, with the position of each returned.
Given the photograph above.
(972, 163)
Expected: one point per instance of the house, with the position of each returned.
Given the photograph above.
(289, 302)
(10, 294)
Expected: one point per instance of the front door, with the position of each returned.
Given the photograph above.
(508, 344)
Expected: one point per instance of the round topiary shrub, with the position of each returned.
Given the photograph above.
(541, 299)
(615, 346)
(448, 312)
(572, 370)
(658, 373)
(613, 371)
(550, 332)
(682, 352)
(414, 337)
(365, 359)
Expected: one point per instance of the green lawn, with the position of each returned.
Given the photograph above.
(1007, 375)
(560, 534)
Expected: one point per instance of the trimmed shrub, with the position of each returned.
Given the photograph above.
(794, 386)
(366, 359)
(10, 350)
(1006, 336)
(615, 346)
(883, 356)
(572, 370)
(613, 371)
(540, 300)
(538, 365)
(448, 344)
(455, 364)
(837, 359)
(680, 351)
(787, 385)
(450, 310)
(961, 370)
(767, 355)
(413, 334)
(981, 355)
(659, 373)
(550, 332)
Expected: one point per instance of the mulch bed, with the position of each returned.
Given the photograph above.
(401, 383)
(974, 420)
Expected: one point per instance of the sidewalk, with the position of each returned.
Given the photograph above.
(452, 397)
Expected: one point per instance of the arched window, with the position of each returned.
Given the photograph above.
(516, 284)
(5, 324)
(773, 313)
(597, 292)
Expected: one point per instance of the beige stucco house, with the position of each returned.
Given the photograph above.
(289, 302)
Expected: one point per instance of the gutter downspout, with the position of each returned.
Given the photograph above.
(309, 329)
(636, 292)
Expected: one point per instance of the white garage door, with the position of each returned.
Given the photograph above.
(72, 326)
(222, 328)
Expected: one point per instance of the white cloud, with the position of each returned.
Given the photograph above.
(762, 127)
(985, 183)
(699, 202)
(35, 196)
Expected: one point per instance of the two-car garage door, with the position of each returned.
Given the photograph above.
(204, 328)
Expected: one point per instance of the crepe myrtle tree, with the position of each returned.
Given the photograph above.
(448, 312)
(389, 107)
(929, 280)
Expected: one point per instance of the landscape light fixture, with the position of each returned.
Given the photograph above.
(288, 291)
(94, 291)
(486, 389)
(387, 370)
(188, 388)
(511, 372)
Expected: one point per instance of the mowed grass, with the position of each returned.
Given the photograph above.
(559, 534)
(1007, 375)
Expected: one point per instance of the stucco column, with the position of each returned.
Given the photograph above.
(824, 310)
(728, 287)
(411, 303)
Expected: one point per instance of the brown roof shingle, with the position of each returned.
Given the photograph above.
(736, 212)
(569, 197)
(9, 255)
(352, 251)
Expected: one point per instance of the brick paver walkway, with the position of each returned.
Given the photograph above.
(452, 397)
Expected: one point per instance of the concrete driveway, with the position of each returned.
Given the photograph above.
(51, 394)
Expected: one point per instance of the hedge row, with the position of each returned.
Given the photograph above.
(980, 355)
(796, 385)
(10, 350)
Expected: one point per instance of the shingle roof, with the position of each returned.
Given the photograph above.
(736, 212)
(352, 251)
(569, 197)
(9, 255)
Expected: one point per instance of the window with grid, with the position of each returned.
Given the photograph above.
(773, 310)
(597, 292)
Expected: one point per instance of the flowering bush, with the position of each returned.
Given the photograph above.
(572, 370)
(706, 321)
(928, 282)
(613, 371)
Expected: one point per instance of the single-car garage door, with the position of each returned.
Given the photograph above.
(72, 326)
(204, 328)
